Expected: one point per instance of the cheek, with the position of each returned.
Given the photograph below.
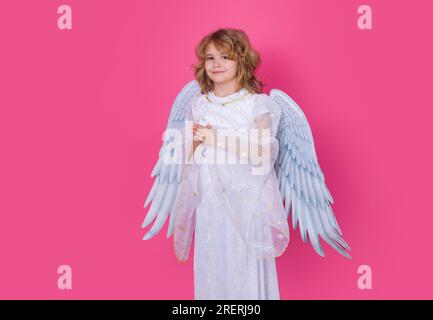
(232, 67)
(207, 65)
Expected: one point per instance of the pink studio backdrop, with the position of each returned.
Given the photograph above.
(83, 111)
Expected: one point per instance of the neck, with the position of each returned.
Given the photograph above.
(225, 89)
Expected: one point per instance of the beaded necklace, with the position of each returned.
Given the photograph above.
(226, 103)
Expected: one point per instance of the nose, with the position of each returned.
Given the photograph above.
(216, 63)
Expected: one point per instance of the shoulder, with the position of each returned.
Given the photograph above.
(264, 100)
(262, 103)
(199, 103)
(197, 99)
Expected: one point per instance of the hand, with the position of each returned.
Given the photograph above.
(204, 134)
(197, 140)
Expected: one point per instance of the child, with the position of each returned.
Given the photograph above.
(229, 195)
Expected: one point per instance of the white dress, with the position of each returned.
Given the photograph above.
(239, 222)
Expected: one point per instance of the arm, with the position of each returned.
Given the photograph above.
(255, 146)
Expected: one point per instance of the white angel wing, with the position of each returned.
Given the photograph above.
(301, 181)
(163, 194)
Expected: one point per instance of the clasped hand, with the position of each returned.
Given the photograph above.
(203, 134)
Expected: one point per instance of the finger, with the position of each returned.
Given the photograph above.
(197, 137)
(204, 131)
(202, 136)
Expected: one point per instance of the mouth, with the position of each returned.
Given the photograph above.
(217, 72)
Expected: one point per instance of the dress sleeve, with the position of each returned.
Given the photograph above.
(265, 119)
(265, 106)
(258, 146)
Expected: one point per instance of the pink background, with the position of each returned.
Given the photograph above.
(83, 111)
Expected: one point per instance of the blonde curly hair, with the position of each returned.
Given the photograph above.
(237, 43)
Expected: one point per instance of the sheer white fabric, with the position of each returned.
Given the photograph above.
(188, 195)
(239, 220)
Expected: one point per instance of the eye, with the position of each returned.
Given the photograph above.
(209, 58)
(226, 57)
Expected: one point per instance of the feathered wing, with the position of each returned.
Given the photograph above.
(165, 189)
(301, 181)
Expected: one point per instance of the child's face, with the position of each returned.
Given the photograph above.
(219, 68)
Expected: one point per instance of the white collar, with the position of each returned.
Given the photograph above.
(221, 100)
